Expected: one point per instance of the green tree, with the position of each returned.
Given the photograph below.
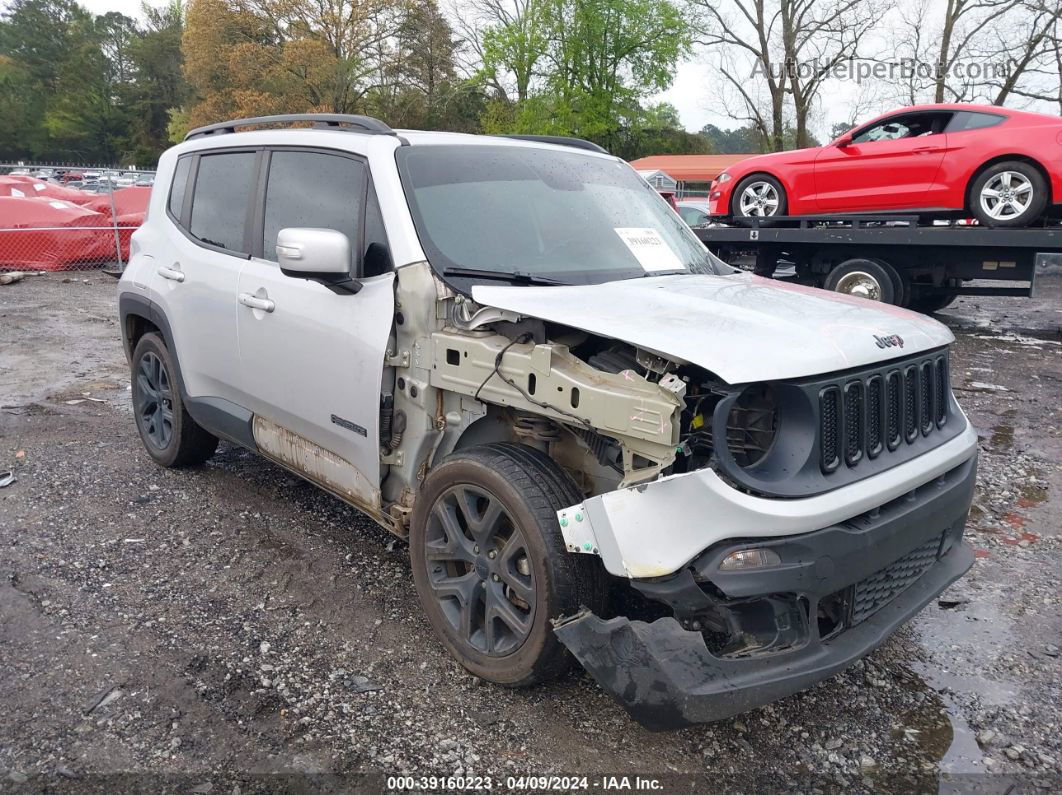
(159, 88)
(582, 67)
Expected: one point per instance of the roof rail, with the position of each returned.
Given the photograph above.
(560, 140)
(338, 121)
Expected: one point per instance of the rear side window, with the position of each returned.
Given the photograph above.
(313, 189)
(219, 204)
(969, 120)
(179, 186)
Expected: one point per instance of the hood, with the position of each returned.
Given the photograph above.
(740, 327)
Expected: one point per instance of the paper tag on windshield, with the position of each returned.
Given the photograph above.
(652, 251)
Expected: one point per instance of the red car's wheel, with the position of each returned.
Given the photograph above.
(1012, 193)
(758, 196)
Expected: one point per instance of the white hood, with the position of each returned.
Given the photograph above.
(740, 327)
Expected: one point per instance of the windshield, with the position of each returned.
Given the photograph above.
(543, 215)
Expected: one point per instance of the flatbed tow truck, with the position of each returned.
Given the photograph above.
(898, 259)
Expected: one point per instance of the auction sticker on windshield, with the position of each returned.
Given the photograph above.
(652, 251)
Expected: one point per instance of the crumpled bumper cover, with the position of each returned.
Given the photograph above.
(666, 678)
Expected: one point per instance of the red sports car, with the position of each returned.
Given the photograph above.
(1001, 166)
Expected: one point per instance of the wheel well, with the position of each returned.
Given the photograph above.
(136, 326)
(1002, 159)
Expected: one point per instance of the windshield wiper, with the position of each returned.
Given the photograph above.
(516, 277)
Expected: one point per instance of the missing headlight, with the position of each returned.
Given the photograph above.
(752, 425)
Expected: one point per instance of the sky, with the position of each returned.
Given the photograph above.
(694, 92)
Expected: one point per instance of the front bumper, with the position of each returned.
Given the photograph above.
(666, 676)
(654, 529)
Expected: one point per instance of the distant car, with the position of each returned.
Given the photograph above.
(1001, 166)
(694, 211)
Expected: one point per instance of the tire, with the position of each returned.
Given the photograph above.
(933, 302)
(168, 432)
(866, 278)
(461, 569)
(765, 186)
(1028, 191)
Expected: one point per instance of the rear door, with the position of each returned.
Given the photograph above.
(313, 365)
(890, 165)
(198, 267)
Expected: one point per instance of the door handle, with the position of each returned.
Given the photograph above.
(173, 274)
(925, 149)
(257, 303)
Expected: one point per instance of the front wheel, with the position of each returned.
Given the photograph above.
(1012, 193)
(758, 196)
(490, 564)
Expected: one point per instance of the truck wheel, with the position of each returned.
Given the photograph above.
(1012, 193)
(758, 195)
(933, 302)
(168, 432)
(490, 564)
(866, 278)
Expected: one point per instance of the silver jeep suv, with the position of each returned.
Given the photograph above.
(600, 441)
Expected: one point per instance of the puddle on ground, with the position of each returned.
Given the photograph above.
(975, 629)
(1002, 438)
(939, 728)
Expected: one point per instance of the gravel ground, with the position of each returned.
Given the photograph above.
(231, 628)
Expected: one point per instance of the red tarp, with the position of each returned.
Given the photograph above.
(126, 200)
(127, 224)
(28, 187)
(34, 234)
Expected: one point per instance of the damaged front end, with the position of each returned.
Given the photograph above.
(753, 621)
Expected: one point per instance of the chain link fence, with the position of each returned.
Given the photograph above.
(68, 218)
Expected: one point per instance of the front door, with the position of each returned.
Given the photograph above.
(312, 359)
(890, 165)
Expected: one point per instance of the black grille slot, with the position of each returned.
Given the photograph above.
(875, 416)
(853, 422)
(942, 391)
(910, 403)
(893, 413)
(880, 588)
(829, 430)
(928, 382)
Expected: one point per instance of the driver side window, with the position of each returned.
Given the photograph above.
(912, 125)
(889, 130)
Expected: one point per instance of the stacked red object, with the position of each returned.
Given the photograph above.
(50, 227)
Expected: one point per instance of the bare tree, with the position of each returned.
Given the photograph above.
(789, 48)
(978, 51)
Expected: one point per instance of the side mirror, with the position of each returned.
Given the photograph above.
(321, 255)
(843, 141)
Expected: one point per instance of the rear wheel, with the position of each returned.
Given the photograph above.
(933, 302)
(758, 196)
(1012, 193)
(866, 278)
(490, 564)
(168, 432)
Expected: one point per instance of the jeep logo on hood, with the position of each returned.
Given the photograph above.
(891, 341)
